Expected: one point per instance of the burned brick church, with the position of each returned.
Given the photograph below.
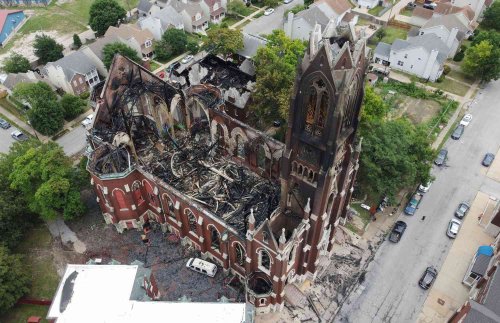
(264, 210)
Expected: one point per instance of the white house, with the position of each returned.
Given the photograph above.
(193, 14)
(162, 20)
(74, 73)
(140, 40)
(476, 5)
(422, 56)
(368, 3)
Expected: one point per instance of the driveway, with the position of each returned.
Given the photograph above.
(390, 292)
(266, 24)
(74, 141)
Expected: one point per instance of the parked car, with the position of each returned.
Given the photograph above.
(458, 132)
(287, 1)
(88, 120)
(173, 66)
(4, 124)
(441, 157)
(397, 231)
(462, 210)
(268, 11)
(453, 228)
(19, 136)
(202, 266)
(277, 123)
(187, 59)
(424, 187)
(411, 5)
(428, 278)
(466, 119)
(412, 205)
(488, 159)
(430, 6)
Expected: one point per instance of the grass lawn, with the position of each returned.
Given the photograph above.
(363, 22)
(364, 215)
(231, 20)
(376, 11)
(154, 65)
(36, 248)
(458, 75)
(406, 12)
(260, 14)
(243, 24)
(393, 33)
(451, 86)
(12, 108)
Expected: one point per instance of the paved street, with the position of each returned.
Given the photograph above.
(5, 139)
(74, 141)
(390, 292)
(266, 24)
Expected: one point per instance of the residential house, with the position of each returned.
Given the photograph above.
(484, 297)
(162, 20)
(215, 10)
(193, 14)
(140, 40)
(10, 21)
(368, 3)
(94, 52)
(477, 6)
(420, 16)
(9, 81)
(422, 56)
(446, 8)
(74, 73)
(251, 44)
(339, 8)
(146, 8)
(124, 293)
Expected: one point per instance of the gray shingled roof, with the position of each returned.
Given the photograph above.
(74, 63)
(399, 44)
(144, 6)
(168, 16)
(97, 46)
(481, 264)
(13, 79)
(312, 16)
(383, 49)
(492, 299)
(449, 21)
(431, 42)
(480, 314)
(250, 45)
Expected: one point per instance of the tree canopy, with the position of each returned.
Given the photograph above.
(77, 42)
(47, 49)
(276, 67)
(105, 13)
(491, 36)
(173, 42)
(72, 106)
(491, 16)
(224, 41)
(34, 92)
(374, 107)
(14, 277)
(45, 177)
(16, 63)
(482, 61)
(110, 50)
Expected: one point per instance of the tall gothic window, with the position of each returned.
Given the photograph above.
(350, 109)
(316, 108)
(240, 254)
(215, 238)
(191, 221)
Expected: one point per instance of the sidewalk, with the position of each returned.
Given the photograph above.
(21, 124)
(448, 293)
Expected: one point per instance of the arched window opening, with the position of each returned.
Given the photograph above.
(316, 108)
(171, 206)
(261, 158)
(214, 238)
(192, 221)
(300, 170)
(291, 255)
(240, 254)
(120, 199)
(136, 188)
(265, 260)
(329, 204)
(294, 167)
(219, 135)
(265, 237)
(240, 147)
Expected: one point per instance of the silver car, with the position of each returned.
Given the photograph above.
(453, 228)
(462, 210)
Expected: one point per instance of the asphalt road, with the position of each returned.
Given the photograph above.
(266, 24)
(390, 292)
(5, 139)
(74, 141)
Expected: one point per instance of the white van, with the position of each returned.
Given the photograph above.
(202, 266)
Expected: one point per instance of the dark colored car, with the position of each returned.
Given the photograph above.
(441, 157)
(488, 159)
(4, 124)
(173, 66)
(412, 205)
(397, 231)
(411, 5)
(428, 278)
(277, 123)
(462, 210)
(459, 131)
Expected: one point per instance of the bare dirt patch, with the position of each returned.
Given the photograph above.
(417, 110)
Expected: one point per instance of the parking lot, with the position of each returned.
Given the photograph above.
(5, 139)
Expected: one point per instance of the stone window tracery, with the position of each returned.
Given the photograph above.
(240, 254)
(191, 221)
(316, 108)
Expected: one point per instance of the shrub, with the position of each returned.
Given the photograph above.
(446, 70)
(440, 79)
(458, 57)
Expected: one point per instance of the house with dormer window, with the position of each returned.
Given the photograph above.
(193, 14)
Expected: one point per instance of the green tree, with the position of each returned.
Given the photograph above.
(46, 116)
(491, 36)
(395, 155)
(373, 109)
(16, 63)
(45, 177)
(105, 13)
(224, 41)
(34, 92)
(173, 42)
(110, 50)
(72, 106)
(192, 46)
(482, 61)
(47, 49)
(14, 277)
(275, 65)
(381, 33)
(491, 16)
(271, 3)
(77, 42)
